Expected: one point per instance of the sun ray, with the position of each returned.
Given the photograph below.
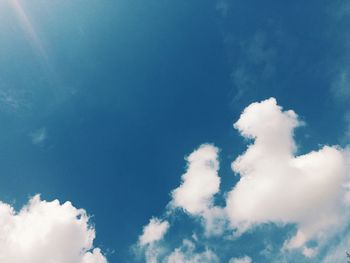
(28, 28)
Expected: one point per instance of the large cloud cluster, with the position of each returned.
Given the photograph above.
(47, 232)
(276, 185)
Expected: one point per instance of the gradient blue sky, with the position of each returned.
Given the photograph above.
(100, 105)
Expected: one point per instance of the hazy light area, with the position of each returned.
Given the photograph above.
(27, 26)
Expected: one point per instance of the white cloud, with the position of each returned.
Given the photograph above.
(276, 186)
(186, 254)
(215, 221)
(310, 191)
(309, 252)
(245, 259)
(47, 232)
(154, 231)
(199, 185)
(195, 196)
(200, 182)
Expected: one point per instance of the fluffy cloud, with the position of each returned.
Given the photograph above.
(195, 196)
(199, 185)
(148, 241)
(309, 191)
(186, 254)
(154, 231)
(200, 182)
(245, 259)
(277, 186)
(47, 232)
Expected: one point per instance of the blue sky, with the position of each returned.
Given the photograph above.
(101, 102)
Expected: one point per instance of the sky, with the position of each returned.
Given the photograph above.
(174, 131)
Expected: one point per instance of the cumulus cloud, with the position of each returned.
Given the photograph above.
(47, 232)
(200, 182)
(186, 254)
(309, 191)
(245, 259)
(154, 231)
(277, 186)
(148, 241)
(199, 185)
(195, 196)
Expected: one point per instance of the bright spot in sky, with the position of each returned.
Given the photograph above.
(28, 27)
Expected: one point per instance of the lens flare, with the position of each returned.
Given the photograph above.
(28, 28)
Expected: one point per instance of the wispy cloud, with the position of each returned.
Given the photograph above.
(255, 65)
(224, 7)
(339, 22)
(13, 100)
(39, 136)
(186, 253)
(341, 85)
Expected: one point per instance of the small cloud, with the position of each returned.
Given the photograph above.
(10, 100)
(341, 86)
(223, 7)
(347, 121)
(256, 64)
(245, 259)
(154, 231)
(200, 182)
(39, 136)
(152, 234)
(186, 254)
